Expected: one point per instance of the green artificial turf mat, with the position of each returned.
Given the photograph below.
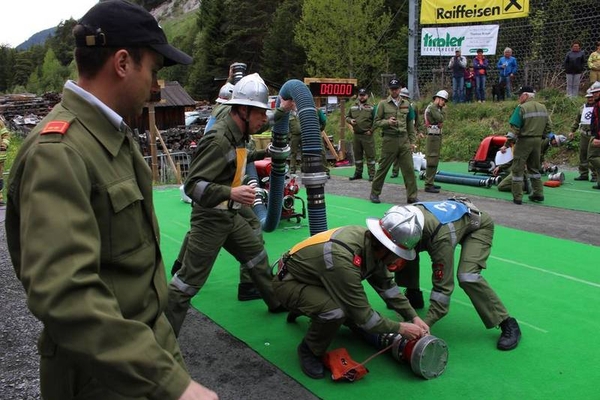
(550, 285)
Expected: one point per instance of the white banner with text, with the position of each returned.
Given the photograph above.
(444, 41)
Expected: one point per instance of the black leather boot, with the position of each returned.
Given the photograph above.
(511, 334)
(247, 291)
(311, 365)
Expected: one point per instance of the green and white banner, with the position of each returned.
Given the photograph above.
(444, 41)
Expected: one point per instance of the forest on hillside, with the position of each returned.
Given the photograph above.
(284, 39)
(280, 39)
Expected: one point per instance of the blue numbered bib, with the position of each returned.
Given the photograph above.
(446, 211)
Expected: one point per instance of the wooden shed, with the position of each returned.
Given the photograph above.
(169, 111)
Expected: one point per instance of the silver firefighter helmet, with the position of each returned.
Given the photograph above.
(400, 229)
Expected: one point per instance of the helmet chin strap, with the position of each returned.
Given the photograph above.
(246, 120)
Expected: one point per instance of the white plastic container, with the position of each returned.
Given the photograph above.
(419, 161)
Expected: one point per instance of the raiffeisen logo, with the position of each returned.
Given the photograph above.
(443, 42)
(461, 11)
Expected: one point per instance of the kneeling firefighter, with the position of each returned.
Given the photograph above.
(321, 277)
(447, 224)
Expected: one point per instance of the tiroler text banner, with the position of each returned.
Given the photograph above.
(461, 11)
(444, 41)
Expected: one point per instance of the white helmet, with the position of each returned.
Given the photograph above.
(251, 91)
(400, 229)
(442, 94)
(225, 92)
(558, 139)
(405, 93)
(595, 87)
(588, 93)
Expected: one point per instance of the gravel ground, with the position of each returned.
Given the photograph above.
(248, 376)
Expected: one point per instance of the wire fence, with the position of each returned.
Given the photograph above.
(539, 42)
(166, 173)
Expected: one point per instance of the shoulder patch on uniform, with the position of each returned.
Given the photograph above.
(56, 127)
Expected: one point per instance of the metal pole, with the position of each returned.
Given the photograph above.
(152, 126)
(413, 83)
(176, 171)
(342, 153)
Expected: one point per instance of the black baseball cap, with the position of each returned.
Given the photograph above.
(526, 89)
(394, 84)
(362, 91)
(119, 23)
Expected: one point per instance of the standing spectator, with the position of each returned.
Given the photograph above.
(480, 64)
(360, 116)
(507, 68)
(582, 125)
(574, 65)
(395, 117)
(594, 64)
(594, 146)
(458, 65)
(93, 272)
(469, 84)
(4, 144)
(434, 119)
(530, 122)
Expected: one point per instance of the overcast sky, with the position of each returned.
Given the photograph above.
(21, 19)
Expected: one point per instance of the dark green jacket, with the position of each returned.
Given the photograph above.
(84, 242)
(332, 266)
(531, 119)
(404, 115)
(214, 164)
(434, 115)
(364, 114)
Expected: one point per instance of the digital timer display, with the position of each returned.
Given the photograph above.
(339, 89)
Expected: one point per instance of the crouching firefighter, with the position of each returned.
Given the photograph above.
(215, 186)
(321, 277)
(445, 224)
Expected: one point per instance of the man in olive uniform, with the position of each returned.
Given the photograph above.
(582, 125)
(395, 117)
(246, 289)
(321, 277)
(221, 109)
(444, 225)
(434, 119)
(530, 122)
(80, 223)
(214, 183)
(594, 145)
(505, 185)
(404, 93)
(4, 144)
(361, 116)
